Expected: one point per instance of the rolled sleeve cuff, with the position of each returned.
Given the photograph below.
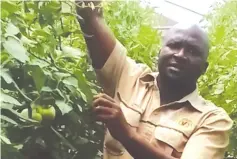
(109, 75)
(118, 54)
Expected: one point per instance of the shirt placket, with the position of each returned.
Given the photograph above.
(146, 129)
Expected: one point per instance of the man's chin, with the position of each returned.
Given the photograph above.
(174, 77)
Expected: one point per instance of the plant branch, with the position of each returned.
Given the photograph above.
(5, 62)
(40, 58)
(63, 139)
(19, 90)
(60, 69)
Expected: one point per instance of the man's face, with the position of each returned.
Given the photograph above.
(183, 56)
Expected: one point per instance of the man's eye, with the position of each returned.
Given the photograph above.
(174, 45)
(192, 51)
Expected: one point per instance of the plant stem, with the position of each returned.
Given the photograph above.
(63, 139)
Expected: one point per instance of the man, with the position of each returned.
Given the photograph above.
(154, 115)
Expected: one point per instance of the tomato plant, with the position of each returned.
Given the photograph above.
(220, 81)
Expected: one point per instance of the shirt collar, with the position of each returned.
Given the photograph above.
(150, 78)
(193, 98)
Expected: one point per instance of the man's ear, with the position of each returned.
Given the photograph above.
(205, 66)
(159, 52)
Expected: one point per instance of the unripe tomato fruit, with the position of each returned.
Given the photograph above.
(36, 116)
(47, 113)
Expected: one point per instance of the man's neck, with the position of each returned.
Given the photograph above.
(173, 91)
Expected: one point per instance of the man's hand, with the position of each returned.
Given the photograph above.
(86, 8)
(109, 112)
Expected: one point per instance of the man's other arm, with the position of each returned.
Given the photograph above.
(101, 44)
(109, 56)
(211, 139)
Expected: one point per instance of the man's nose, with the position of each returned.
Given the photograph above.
(180, 54)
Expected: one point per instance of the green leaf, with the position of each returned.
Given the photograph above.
(6, 76)
(10, 6)
(60, 94)
(39, 63)
(8, 99)
(219, 89)
(7, 119)
(6, 105)
(81, 140)
(53, 6)
(60, 75)
(66, 8)
(83, 85)
(46, 89)
(5, 139)
(72, 81)
(64, 107)
(9, 152)
(67, 50)
(228, 101)
(27, 41)
(18, 147)
(12, 29)
(65, 141)
(15, 48)
(38, 76)
(20, 119)
(4, 13)
(83, 96)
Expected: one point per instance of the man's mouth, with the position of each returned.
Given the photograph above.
(174, 68)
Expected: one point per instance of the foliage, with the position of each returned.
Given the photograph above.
(42, 65)
(132, 26)
(44, 62)
(222, 72)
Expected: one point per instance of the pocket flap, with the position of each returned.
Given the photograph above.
(131, 114)
(171, 137)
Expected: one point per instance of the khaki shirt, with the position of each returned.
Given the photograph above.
(191, 128)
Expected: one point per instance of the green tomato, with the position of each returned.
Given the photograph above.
(39, 109)
(37, 116)
(47, 113)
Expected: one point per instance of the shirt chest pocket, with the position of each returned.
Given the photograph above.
(174, 138)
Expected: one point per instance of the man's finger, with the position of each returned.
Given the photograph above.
(104, 118)
(102, 110)
(103, 114)
(103, 102)
(103, 95)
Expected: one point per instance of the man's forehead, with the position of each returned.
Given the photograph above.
(183, 30)
(191, 30)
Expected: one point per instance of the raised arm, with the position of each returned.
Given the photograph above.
(101, 44)
(109, 57)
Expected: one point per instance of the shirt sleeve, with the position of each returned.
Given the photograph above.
(211, 139)
(119, 69)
